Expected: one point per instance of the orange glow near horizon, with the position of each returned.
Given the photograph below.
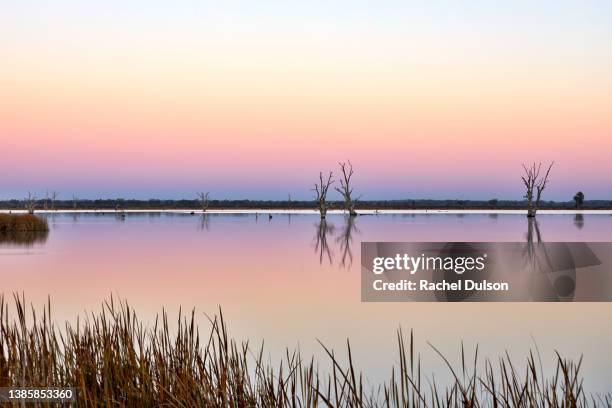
(108, 108)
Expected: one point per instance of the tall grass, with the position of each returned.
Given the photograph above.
(114, 360)
(22, 223)
(24, 229)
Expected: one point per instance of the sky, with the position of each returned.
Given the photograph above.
(252, 99)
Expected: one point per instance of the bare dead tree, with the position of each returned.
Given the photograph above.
(203, 197)
(75, 199)
(119, 207)
(46, 202)
(535, 185)
(536, 257)
(30, 203)
(54, 195)
(320, 190)
(345, 188)
(289, 203)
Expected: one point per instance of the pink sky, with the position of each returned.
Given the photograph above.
(108, 102)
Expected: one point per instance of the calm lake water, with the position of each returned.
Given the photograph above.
(291, 281)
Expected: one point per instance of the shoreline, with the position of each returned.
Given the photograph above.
(311, 212)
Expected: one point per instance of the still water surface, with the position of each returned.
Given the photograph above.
(290, 280)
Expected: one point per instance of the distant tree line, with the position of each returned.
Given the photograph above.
(404, 204)
(535, 179)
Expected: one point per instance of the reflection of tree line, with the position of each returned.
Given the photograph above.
(324, 233)
(548, 270)
(325, 230)
(579, 221)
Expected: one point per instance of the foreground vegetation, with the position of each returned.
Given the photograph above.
(22, 223)
(22, 229)
(114, 360)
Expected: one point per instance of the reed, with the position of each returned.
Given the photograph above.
(114, 360)
(23, 229)
(22, 223)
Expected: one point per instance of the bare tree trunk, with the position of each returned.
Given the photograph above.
(203, 197)
(320, 190)
(535, 186)
(345, 188)
(30, 203)
(531, 210)
(54, 195)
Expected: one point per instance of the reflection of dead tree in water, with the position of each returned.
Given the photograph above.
(204, 223)
(535, 242)
(321, 244)
(345, 240)
(533, 228)
(550, 268)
